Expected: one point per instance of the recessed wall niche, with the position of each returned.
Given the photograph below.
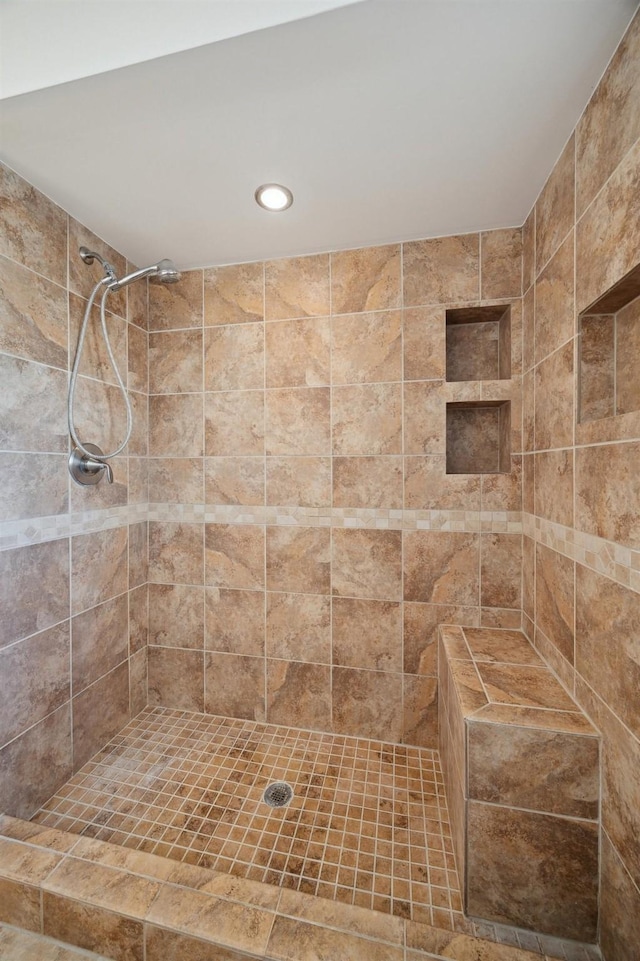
(609, 367)
(479, 437)
(479, 343)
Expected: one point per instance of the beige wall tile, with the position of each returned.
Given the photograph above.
(442, 270)
(92, 928)
(420, 711)
(367, 564)
(162, 945)
(298, 353)
(100, 641)
(427, 486)
(19, 906)
(235, 685)
(98, 567)
(176, 616)
(175, 425)
(299, 627)
(529, 251)
(607, 640)
(33, 230)
(138, 302)
(34, 316)
(297, 287)
(627, 353)
(176, 480)
(610, 124)
(234, 422)
(619, 907)
(424, 417)
(234, 357)
(503, 492)
(367, 703)
(176, 678)
(298, 421)
(34, 680)
(138, 620)
(620, 781)
(557, 895)
(298, 559)
(367, 419)
(441, 567)
(175, 553)
(234, 480)
(303, 481)
(421, 622)
(95, 361)
(33, 485)
(100, 712)
(367, 482)
(554, 390)
(554, 594)
(423, 331)
(509, 765)
(553, 497)
(528, 328)
(137, 358)
(299, 694)
(234, 294)
(235, 621)
(234, 556)
(606, 249)
(175, 362)
(555, 209)
(45, 748)
(33, 407)
(607, 492)
(365, 279)
(367, 634)
(366, 348)
(554, 323)
(501, 570)
(501, 263)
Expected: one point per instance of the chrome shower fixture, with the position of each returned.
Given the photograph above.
(164, 272)
(87, 463)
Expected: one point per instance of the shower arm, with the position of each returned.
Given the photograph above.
(110, 272)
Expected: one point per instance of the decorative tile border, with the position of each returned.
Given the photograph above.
(613, 560)
(363, 518)
(35, 530)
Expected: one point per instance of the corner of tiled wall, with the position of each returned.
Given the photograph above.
(72, 559)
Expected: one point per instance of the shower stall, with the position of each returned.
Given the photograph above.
(340, 661)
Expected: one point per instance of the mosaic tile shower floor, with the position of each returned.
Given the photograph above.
(368, 823)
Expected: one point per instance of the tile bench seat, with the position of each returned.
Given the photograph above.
(521, 769)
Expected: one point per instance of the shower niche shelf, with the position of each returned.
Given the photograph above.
(479, 437)
(478, 343)
(609, 364)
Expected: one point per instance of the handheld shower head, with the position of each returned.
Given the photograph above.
(165, 272)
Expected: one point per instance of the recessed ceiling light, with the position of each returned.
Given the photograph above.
(274, 197)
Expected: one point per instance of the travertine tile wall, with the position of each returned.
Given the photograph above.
(304, 539)
(73, 608)
(582, 480)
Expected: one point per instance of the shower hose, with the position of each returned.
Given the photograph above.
(112, 360)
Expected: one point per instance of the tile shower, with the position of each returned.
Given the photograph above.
(285, 535)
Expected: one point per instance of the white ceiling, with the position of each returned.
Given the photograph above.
(389, 120)
(92, 36)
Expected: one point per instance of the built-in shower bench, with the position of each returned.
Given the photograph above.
(521, 769)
